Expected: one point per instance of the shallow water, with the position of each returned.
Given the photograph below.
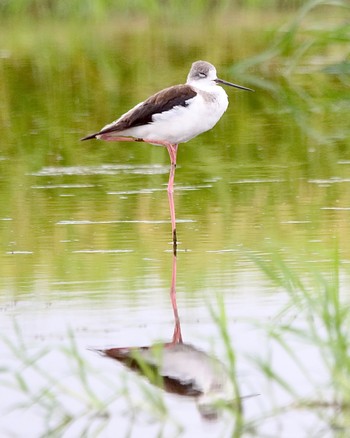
(86, 245)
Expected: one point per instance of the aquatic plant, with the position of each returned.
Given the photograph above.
(317, 315)
(311, 46)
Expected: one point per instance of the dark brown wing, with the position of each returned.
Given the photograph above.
(160, 102)
(130, 358)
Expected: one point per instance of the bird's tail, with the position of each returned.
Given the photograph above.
(88, 137)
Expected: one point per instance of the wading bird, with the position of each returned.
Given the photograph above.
(172, 116)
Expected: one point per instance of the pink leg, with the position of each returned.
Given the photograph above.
(109, 137)
(172, 149)
(177, 337)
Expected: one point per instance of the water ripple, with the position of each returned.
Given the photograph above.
(104, 169)
(123, 221)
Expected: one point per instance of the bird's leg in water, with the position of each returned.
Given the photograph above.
(177, 337)
(172, 149)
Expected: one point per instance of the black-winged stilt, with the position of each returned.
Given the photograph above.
(172, 116)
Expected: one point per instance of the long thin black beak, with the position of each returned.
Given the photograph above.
(220, 81)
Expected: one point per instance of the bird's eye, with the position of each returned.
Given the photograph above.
(202, 75)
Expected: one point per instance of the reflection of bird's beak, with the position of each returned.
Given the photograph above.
(220, 81)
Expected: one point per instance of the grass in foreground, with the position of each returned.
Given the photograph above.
(317, 316)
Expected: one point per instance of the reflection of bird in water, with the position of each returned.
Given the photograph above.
(181, 369)
(177, 367)
(172, 116)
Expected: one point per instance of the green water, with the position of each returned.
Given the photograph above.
(85, 232)
(274, 171)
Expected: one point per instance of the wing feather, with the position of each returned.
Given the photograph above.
(143, 113)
